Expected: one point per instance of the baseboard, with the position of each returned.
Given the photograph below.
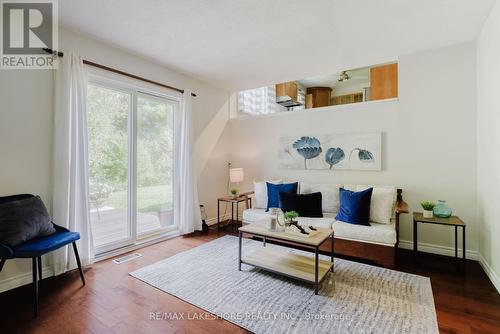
(489, 272)
(227, 216)
(438, 249)
(22, 279)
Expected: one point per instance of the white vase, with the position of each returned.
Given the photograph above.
(428, 214)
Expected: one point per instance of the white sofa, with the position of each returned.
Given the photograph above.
(352, 240)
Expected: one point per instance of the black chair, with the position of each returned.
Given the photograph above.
(37, 247)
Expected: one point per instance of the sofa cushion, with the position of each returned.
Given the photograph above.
(306, 205)
(39, 246)
(355, 206)
(382, 234)
(329, 193)
(273, 191)
(260, 193)
(325, 222)
(382, 203)
(253, 215)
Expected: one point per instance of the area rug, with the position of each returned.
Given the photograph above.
(355, 298)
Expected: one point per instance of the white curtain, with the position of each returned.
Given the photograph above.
(187, 208)
(70, 205)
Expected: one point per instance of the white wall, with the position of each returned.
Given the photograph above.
(25, 142)
(488, 144)
(26, 128)
(428, 140)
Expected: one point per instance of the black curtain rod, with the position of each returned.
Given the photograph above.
(87, 62)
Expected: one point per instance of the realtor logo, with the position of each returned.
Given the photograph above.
(28, 27)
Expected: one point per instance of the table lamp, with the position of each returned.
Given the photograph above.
(236, 175)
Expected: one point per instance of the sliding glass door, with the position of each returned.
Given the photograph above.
(155, 158)
(131, 164)
(108, 112)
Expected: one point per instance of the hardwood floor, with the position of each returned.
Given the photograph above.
(114, 302)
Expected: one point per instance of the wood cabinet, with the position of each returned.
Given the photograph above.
(287, 89)
(319, 96)
(309, 101)
(348, 98)
(384, 82)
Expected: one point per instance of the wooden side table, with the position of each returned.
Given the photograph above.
(455, 221)
(234, 203)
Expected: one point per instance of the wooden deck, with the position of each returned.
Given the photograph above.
(111, 224)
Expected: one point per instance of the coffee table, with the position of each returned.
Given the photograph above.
(302, 267)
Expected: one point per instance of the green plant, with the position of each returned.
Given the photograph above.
(291, 215)
(428, 205)
(233, 191)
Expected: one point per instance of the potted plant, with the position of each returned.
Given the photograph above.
(234, 192)
(428, 206)
(290, 216)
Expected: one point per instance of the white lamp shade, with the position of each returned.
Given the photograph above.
(236, 175)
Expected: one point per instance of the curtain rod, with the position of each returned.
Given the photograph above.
(87, 62)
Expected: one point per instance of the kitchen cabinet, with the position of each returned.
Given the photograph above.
(288, 95)
(320, 96)
(384, 82)
(348, 98)
(287, 89)
(309, 101)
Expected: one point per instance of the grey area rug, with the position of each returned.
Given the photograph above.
(356, 298)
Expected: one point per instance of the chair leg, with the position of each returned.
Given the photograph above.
(1, 264)
(78, 262)
(39, 261)
(35, 284)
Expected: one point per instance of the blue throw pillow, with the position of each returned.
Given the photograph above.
(274, 190)
(355, 206)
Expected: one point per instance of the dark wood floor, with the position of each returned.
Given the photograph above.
(114, 302)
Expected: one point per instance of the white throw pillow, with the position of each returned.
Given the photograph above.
(260, 191)
(329, 193)
(382, 203)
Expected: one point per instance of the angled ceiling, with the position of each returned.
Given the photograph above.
(249, 43)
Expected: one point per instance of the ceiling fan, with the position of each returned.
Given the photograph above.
(344, 76)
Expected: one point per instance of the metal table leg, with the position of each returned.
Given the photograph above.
(456, 242)
(316, 287)
(237, 215)
(218, 215)
(463, 245)
(239, 251)
(332, 258)
(415, 237)
(232, 215)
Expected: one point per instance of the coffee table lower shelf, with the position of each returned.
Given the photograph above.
(297, 266)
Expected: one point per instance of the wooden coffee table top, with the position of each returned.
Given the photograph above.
(453, 220)
(260, 229)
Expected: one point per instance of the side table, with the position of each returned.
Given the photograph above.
(235, 201)
(455, 221)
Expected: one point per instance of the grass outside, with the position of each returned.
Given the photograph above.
(149, 199)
